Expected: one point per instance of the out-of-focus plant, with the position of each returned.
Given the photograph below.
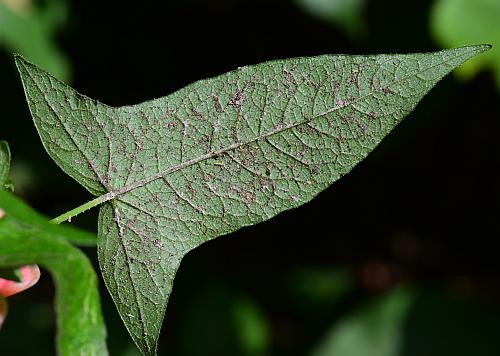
(348, 15)
(462, 21)
(28, 239)
(407, 321)
(375, 330)
(318, 288)
(30, 29)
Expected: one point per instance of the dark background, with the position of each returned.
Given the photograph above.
(421, 211)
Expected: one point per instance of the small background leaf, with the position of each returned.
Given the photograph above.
(319, 288)
(30, 29)
(4, 164)
(218, 311)
(375, 330)
(80, 327)
(455, 22)
(346, 14)
(411, 322)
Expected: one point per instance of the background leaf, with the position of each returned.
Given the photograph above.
(375, 330)
(239, 318)
(75, 236)
(4, 163)
(319, 287)
(78, 237)
(80, 327)
(347, 14)
(30, 29)
(410, 322)
(218, 155)
(455, 22)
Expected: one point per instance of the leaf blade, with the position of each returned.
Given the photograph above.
(51, 102)
(221, 154)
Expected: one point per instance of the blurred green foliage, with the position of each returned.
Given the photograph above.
(459, 22)
(223, 323)
(251, 325)
(348, 15)
(375, 329)
(408, 322)
(28, 238)
(320, 287)
(28, 28)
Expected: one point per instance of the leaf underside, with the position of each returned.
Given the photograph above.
(219, 154)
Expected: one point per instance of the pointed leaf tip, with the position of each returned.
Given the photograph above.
(480, 48)
(20, 61)
(469, 51)
(52, 102)
(483, 47)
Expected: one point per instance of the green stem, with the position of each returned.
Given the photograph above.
(84, 207)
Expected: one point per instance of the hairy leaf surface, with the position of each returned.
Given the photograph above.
(219, 154)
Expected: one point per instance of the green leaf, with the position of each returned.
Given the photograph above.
(376, 329)
(4, 164)
(463, 21)
(23, 240)
(251, 327)
(75, 236)
(218, 155)
(78, 237)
